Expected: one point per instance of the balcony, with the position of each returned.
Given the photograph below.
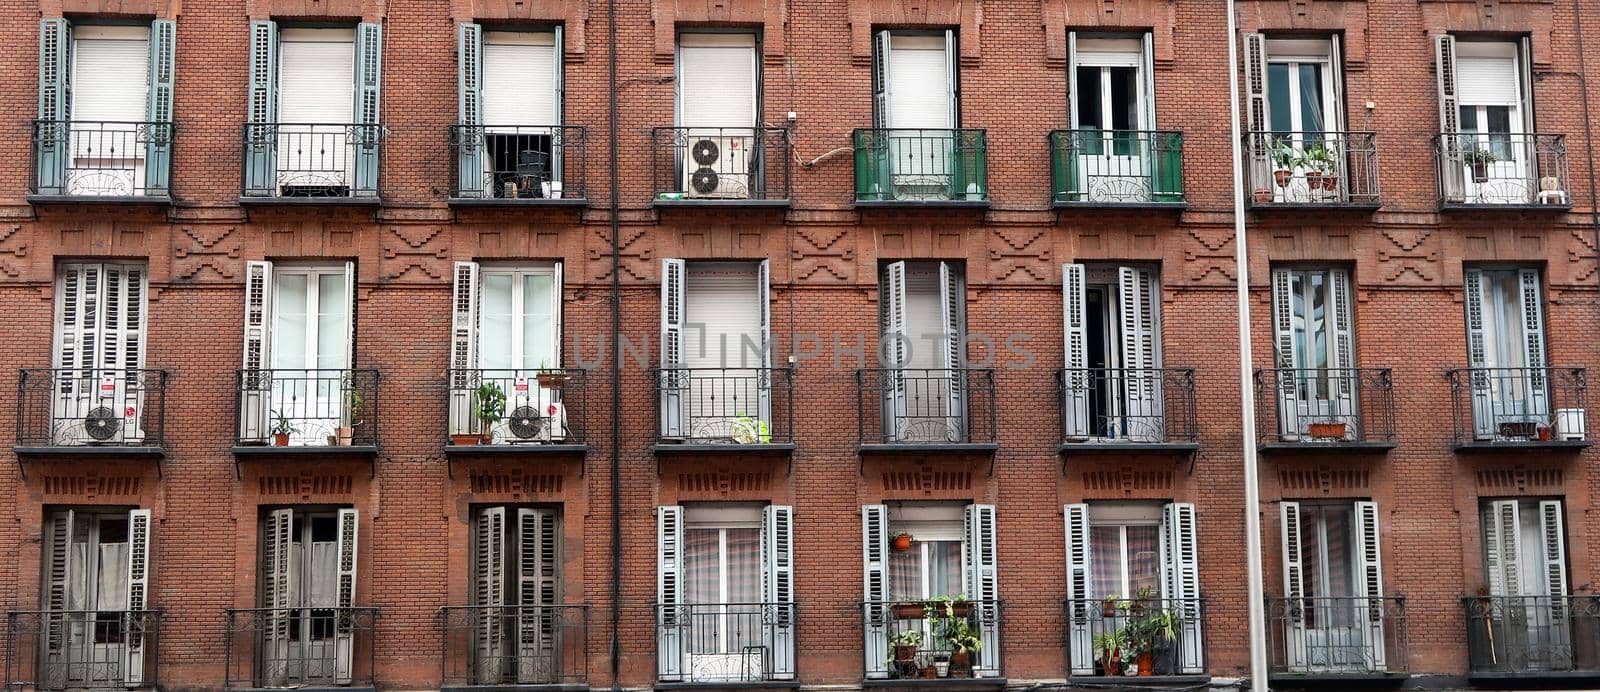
(82, 649)
(916, 640)
(319, 163)
(307, 411)
(1532, 637)
(299, 648)
(741, 643)
(743, 410)
(720, 166)
(101, 161)
(91, 411)
(926, 410)
(518, 165)
(1519, 408)
(1114, 637)
(517, 411)
(1325, 409)
(1127, 410)
(1329, 638)
(1116, 169)
(911, 168)
(504, 646)
(1502, 171)
(1313, 169)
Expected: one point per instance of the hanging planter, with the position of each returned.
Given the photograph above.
(1326, 431)
(901, 542)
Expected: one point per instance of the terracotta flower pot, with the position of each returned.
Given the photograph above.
(1147, 663)
(552, 380)
(463, 440)
(901, 543)
(1113, 663)
(1480, 172)
(1313, 180)
(1263, 196)
(907, 611)
(960, 664)
(1330, 182)
(905, 652)
(1327, 430)
(1282, 177)
(280, 439)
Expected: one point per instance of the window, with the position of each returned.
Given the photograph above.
(96, 570)
(507, 330)
(1126, 544)
(1113, 353)
(1525, 564)
(99, 353)
(715, 346)
(718, 151)
(1484, 96)
(299, 324)
(308, 576)
(1314, 350)
(1111, 87)
(510, 144)
(932, 567)
(726, 593)
(917, 101)
(923, 327)
(1303, 87)
(1505, 349)
(1331, 563)
(516, 565)
(1300, 151)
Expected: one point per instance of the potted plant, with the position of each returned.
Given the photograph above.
(1283, 163)
(1108, 651)
(749, 431)
(949, 607)
(905, 643)
(354, 407)
(964, 642)
(491, 407)
(281, 429)
(1110, 606)
(900, 542)
(1320, 165)
(551, 379)
(1328, 430)
(941, 664)
(1479, 159)
(909, 610)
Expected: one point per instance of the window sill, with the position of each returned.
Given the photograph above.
(1122, 681)
(546, 687)
(302, 450)
(1337, 678)
(1354, 206)
(723, 448)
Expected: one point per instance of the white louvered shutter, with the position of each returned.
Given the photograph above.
(464, 303)
(1147, 82)
(163, 37)
(718, 73)
(777, 553)
(368, 111)
(764, 334)
(893, 297)
(1525, 81)
(350, 286)
(254, 388)
(952, 351)
(671, 648)
(1076, 378)
(1181, 569)
(1255, 74)
(1336, 79)
(1080, 590)
(882, 80)
(261, 138)
(1444, 67)
(278, 590)
(673, 380)
(1502, 551)
(1294, 590)
(138, 595)
(1369, 582)
(538, 588)
(1140, 312)
(875, 586)
(1344, 348)
(100, 349)
(1476, 302)
(1284, 355)
(983, 584)
(58, 583)
(344, 628)
(519, 79)
(469, 110)
(1553, 555)
(488, 589)
(1531, 299)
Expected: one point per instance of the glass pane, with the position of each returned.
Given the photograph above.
(494, 322)
(1278, 97)
(1506, 330)
(538, 322)
(744, 565)
(1089, 98)
(1499, 125)
(289, 323)
(1105, 545)
(1125, 107)
(333, 328)
(944, 572)
(1144, 558)
(905, 573)
(1317, 329)
(701, 562)
(1311, 99)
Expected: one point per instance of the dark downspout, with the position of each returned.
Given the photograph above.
(1588, 122)
(616, 352)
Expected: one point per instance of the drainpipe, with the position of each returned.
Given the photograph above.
(1588, 121)
(616, 348)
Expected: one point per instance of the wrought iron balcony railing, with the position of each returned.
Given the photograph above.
(515, 645)
(899, 165)
(1116, 167)
(82, 649)
(518, 162)
(1502, 169)
(312, 160)
(1326, 406)
(308, 408)
(735, 406)
(725, 642)
(299, 647)
(1528, 636)
(925, 406)
(91, 407)
(79, 158)
(720, 164)
(1127, 405)
(1337, 636)
(518, 407)
(1518, 405)
(913, 639)
(1313, 168)
(1145, 636)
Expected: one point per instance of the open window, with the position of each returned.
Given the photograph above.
(1332, 569)
(308, 585)
(1314, 351)
(1508, 376)
(98, 385)
(916, 111)
(299, 332)
(1113, 377)
(1133, 563)
(715, 381)
(1300, 151)
(923, 328)
(1488, 149)
(1113, 154)
(506, 347)
(516, 582)
(510, 142)
(96, 591)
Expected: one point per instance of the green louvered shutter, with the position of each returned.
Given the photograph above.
(469, 84)
(55, 107)
(261, 135)
(369, 73)
(158, 136)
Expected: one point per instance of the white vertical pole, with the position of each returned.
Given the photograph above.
(1255, 593)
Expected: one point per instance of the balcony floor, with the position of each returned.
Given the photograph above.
(1326, 447)
(751, 685)
(515, 450)
(100, 199)
(1118, 447)
(87, 450)
(1121, 681)
(347, 201)
(724, 448)
(519, 202)
(952, 684)
(986, 448)
(922, 204)
(552, 687)
(713, 202)
(1530, 445)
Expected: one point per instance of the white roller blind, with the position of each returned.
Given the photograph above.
(1109, 52)
(720, 303)
(919, 83)
(924, 320)
(717, 80)
(317, 76)
(519, 78)
(1484, 78)
(110, 73)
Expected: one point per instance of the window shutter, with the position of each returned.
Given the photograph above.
(671, 649)
(539, 586)
(469, 106)
(983, 584)
(1072, 84)
(369, 79)
(1369, 579)
(158, 142)
(71, 327)
(1502, 552)
(1533, 341)
(278, 587)
(344, 629)
(1080, 588)
(1179, 536)
(764, 301)
(1137, 296)
(350, 285)
(138, 595)
(1293, 587)
(1444, 64)
(952, 356)
(1284, 357)
(55, 104)
(1336, 75)
(875, 586)
(1344, 348)
(672, 382)
(1255, 77)
(1525, 81)
(255, 391)
(1477, 307)
(893, 297)
(1554, 555)
(261, 145)
(125, 293)
(952, 76)
(463, 346)
(559, 65)
(58, 580)
(1147, 82)
(488, 589)
(881, 83)
(1076, 380)
(777, 543)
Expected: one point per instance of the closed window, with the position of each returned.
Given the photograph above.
(715, 347)
(1126, 546)
(1302, 87)
(299, 325)
(96, 587)
(516, 574)
(932, 567)
(98, 385)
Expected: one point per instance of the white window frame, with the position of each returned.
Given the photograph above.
(520, 274)
(1090, 52)
(313, 274)
(1293, 55)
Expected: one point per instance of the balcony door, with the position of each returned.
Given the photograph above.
(718, 107)
(1112, 108)
(510, 110)
(1331, 562)
(98, 388)
(1113, 385)
(110, 96)
(516, 572)
(1524, 560)
(923, 323)
(96, 571)
(308, 583)
(506, 329)
(1296, 98)
(307, 347)
(1314, 351)
(916, 109)
(1132, 550)
(1505, 349)
(1488, 149)
(716, 351)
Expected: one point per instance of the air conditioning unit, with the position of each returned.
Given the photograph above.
(102, 425)
(718, 168)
